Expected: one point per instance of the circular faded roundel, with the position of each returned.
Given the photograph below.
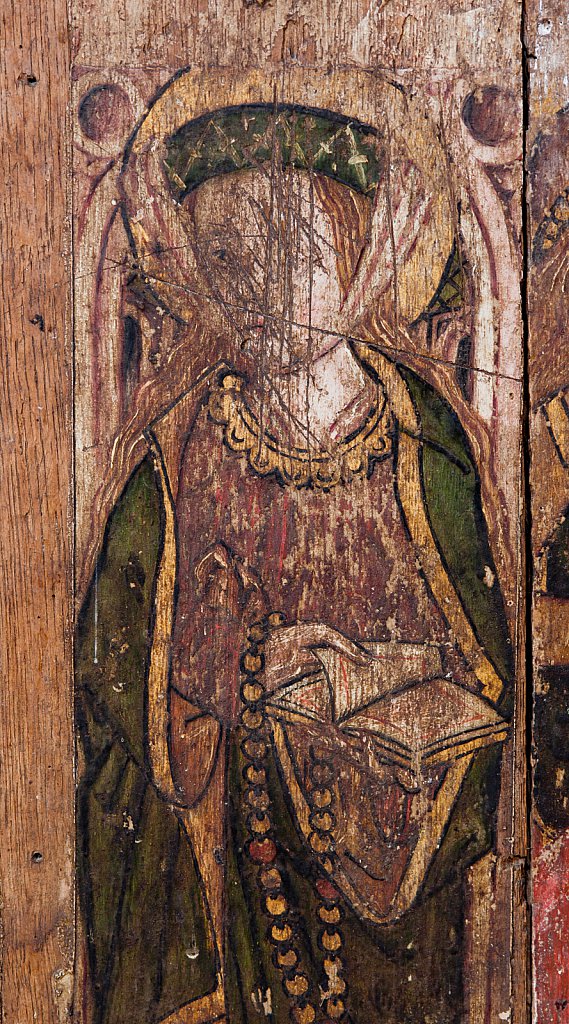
(491, 115)
(105, 113)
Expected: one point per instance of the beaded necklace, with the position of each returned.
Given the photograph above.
(262, 851)
(300, 466)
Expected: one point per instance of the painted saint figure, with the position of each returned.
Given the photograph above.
(291, 735)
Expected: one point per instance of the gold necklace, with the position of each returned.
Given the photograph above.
(296, 465)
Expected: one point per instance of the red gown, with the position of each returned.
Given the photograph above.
(342, 557)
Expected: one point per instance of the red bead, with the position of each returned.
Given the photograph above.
(262, 852)
(326, 890)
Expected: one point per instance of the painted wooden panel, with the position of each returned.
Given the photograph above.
(289, 418)
(299, 500)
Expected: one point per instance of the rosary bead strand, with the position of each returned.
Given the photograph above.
(330, 912)
(261, 847)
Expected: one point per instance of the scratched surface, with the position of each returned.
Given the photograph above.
(299, 391)
(298, 403)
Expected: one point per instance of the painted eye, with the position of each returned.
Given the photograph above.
(220, 254)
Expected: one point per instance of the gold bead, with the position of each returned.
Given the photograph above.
(332, 964)
(321, 797)
(270, 878)
(318, 843)
(297, 985)
(255, 749)
(252, 719)
(332, 941)
(281, 933)
(256, 632)
(356, 460)
(231, 383)
(330, 915)
(288, 959)
(321, 774)
(260, 801)
(252, 692)
(259, 825)
(337, 986)
(276, 619)
(303, 1014)
(323, 821)
(276, 905)
(335, 1008)
(253, 663)
(256, 776)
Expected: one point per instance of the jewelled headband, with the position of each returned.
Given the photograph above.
(242, 138)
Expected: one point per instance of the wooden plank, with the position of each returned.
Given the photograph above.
(36, 744)
(431, 108)
(401, 34)
(548, 178)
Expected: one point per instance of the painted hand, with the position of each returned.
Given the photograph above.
(289, 651)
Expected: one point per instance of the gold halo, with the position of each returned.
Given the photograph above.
(401, 119)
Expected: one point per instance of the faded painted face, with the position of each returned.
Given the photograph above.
(267, 252)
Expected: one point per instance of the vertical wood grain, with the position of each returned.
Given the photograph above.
(36, 781)
(547, 175)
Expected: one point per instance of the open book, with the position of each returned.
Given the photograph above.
(430, 723)
(412, 716)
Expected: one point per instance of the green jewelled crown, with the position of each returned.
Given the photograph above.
(241, 138)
